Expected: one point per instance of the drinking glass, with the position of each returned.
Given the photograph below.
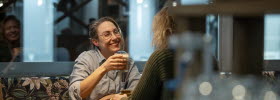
(124, 72)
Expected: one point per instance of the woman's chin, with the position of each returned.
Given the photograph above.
(13, 39)
(116, 49)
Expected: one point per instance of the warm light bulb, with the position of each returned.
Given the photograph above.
(205, 88)
(270, 95)
(1, 4)
(174, 3)
(39, 2)
(239, 92)
(140, 1)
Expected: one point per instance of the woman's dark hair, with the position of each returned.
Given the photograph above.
(10, 17)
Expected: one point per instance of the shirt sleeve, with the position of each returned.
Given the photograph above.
(80, 71)
(74, 91)
(134, 76)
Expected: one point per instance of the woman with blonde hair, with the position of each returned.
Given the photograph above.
(159, 67)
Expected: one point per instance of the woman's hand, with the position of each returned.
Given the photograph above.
(115, 62)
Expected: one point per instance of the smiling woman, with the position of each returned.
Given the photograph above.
(109, 41)
(11, 34)
(96, 72)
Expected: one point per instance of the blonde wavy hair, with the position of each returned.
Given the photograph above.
(163, 26)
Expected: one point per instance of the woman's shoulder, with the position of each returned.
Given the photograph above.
(88, 59)
(160, 61)
(161, 55)
(90, 54)
(162, 52)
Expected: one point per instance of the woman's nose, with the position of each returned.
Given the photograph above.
(114, 36)
(14, 29)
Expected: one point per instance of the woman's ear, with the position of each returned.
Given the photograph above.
(95, 42)
(168, 31)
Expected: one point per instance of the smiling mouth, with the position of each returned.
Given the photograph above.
(115, 44)
(12, 35)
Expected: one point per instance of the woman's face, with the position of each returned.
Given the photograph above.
(11, 30)
(109, 38)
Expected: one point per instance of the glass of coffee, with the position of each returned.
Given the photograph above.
(124, 72)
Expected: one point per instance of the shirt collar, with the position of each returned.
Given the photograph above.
(101, 58)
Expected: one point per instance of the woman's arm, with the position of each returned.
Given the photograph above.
(88, 84)
(115, 62)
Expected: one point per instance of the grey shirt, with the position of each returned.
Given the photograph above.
(111, 83)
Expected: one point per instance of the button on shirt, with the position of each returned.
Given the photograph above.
(110, 83)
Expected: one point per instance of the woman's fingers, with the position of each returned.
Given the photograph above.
(118, 64)
(118, 60)
(118, 67)
(116, 56)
